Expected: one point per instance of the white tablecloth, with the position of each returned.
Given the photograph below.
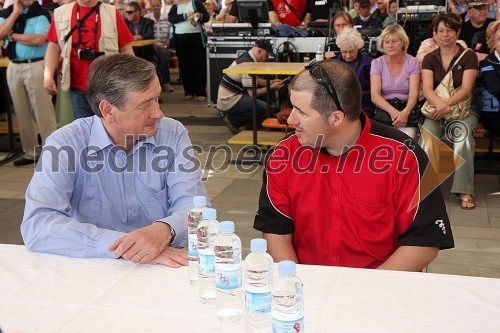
(49, 293)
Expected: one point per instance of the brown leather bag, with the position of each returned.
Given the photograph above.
(283, 115)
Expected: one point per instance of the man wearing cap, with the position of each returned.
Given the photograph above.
(234, 98)
(365, 18)
(473, 31)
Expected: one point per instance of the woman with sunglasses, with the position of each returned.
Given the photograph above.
(434, 67)
(350, 42)
(395, 80)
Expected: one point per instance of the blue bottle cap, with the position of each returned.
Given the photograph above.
(286, 268)
(199, 201)
(258, 244)
(226, 227)
(209, 213)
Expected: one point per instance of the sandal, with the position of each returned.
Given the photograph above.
(466, 202)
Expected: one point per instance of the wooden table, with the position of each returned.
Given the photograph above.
(144, 42)
(266, 69)
(46, 293)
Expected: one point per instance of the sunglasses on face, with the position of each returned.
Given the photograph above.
(130, 11)
(319, 75)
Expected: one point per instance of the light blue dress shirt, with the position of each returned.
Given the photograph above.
(86, 192)
(35, 25)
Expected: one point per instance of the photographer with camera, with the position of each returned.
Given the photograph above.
(24, 26)
(94, 29)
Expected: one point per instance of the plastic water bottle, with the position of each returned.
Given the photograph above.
(287, 301)
(194, 218)
(229, 300)
(258, 282)
(207, 230)
(319, 52)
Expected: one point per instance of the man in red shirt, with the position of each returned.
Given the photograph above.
(79, 41)
(345, 191)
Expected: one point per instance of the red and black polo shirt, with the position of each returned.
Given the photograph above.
(356, 209)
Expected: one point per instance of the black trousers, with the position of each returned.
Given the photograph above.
(192, 63)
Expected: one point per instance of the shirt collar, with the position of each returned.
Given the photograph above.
(99, 137)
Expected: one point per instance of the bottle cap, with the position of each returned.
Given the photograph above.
(226, 227)
(286, 268)
(209, 213)
(199, 201)
(258, 244)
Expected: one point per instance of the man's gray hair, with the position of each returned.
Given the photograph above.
(112, 77)
(345, 83)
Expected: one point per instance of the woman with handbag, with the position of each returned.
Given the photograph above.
(395, 82)
(462, 66)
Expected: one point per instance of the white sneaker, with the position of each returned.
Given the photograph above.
(167, 87)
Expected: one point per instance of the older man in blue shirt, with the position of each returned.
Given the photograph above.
(118, 184)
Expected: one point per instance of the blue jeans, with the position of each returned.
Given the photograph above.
(81, 107)
(241, 113)
(164, 55)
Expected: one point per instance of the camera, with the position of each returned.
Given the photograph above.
(86, 54)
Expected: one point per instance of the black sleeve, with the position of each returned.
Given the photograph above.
(200, 8)
(173, 17)
(270, 5)
(491, 81)
(148, 30)
(431, 226)
(268, 219)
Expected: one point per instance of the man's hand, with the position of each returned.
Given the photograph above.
(276, 84)
(50, 85)
(144, 244)
(172, 257)
(17, 8)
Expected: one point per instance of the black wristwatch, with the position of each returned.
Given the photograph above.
(172, 232)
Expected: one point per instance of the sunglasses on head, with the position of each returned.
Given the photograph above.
(320, 75)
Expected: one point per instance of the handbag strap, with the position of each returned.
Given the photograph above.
(449, 73)
(456, 61)
(293, 10)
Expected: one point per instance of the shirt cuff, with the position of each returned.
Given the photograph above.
(107, 238)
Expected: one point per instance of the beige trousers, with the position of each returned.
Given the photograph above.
(32, 104)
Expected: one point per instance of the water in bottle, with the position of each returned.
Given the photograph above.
(229, 299)
(207, 230)
(258, 282)
(194, 218)
(319, 52)
(287, 306)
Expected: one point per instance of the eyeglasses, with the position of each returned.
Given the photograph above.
(130, 11)
(319, 75)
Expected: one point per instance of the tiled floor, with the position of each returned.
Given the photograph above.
(234, 192)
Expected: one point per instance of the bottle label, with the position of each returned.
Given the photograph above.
(258, 303)
(228, 280)
(192, 245)
(295, 326)
(207, 265)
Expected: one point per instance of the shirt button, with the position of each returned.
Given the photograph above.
(336, 199)
(335, 228)
(334, 259)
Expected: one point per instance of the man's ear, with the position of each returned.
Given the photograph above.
(107, 110)
(336, 118)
